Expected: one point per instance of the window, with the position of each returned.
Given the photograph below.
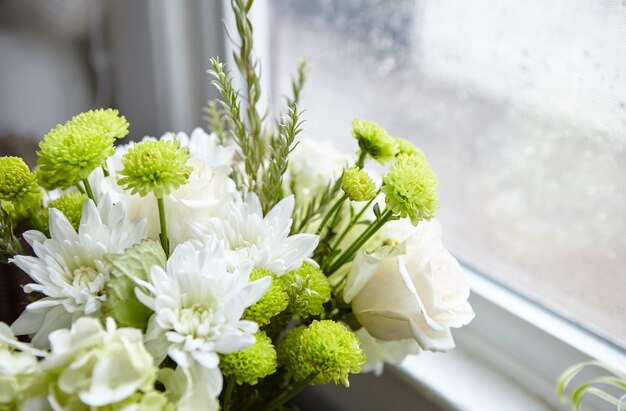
(521, 109)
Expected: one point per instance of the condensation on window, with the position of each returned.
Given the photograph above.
(521, 109)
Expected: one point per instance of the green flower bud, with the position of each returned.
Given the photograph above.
(273, 302)
(358, 185)
(71, 205)
(69, 153)
(17, 184)
(252, 363)
(308, 290)
(410, 189)
(374, 140)
(135, 263)
(155, 167)
(326, 348)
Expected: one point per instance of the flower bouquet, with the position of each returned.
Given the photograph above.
(219, 271)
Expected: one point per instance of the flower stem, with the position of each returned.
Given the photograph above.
(366, 235)
(88, 190)
(163, 236)
(354, 221)
(331, 212)
(361, 161)
(286, 396)
(228, 396)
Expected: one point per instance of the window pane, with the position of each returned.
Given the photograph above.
(521, 109)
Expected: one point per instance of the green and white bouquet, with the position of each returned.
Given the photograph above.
(219, 271)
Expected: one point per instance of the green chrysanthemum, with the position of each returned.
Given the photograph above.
(273, 302)
(410, 189)
(374, 140)
(71, 205)
(407, 148)
(17, 184)
(155, 167)
(358, 185)
(252, 363)
(69, 153)
(326, 348)
(308, 290)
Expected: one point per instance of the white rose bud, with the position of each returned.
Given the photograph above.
(414, 290)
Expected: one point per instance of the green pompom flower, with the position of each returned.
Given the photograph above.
(374, 140)
(17, 184)
(155, 167)
(69, 153)
(358, 185)
(308, 290)
(71, 205)
(407, 148)
(410, 189)
(326, 348)
(273, 302)
(252, 363)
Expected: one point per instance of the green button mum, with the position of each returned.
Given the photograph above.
(155, 167)
(17, 184)
(252, 363)
(71, 205)
(374, 140)
(358, 185)
(70, 152)
(410, 189)
(326, 349)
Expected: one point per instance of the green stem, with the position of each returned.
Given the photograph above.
(331, 212)
(286, 396)
(36, 221)
(366, 235)
(228, 396)
(361, 161)
(354, 221)
(88, 190)
(163, 236)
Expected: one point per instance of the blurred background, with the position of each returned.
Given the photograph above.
(520, 107)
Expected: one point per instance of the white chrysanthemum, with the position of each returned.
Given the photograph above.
(198, 301)
(70, 269)
(98, 366)
(263, 240)
(208, 186)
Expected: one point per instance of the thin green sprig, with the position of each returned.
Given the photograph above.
(216, 121)
(280, 148)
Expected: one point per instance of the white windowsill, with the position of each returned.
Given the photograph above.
(509, 357)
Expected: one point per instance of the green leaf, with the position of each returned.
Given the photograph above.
(134, 264)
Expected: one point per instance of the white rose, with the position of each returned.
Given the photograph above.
(208, 187)
(378, 352)
(312, 165)
(415, 290)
